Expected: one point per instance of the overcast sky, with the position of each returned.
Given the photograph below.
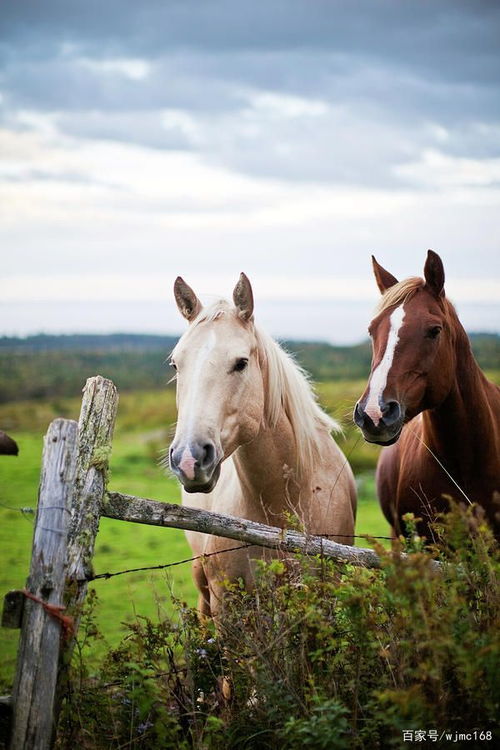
(289, 139)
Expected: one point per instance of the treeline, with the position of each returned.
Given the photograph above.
(51, 366)
(87, 342)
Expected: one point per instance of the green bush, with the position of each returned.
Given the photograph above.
(317, 656)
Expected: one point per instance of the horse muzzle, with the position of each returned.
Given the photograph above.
(197, 465)
(389, 426)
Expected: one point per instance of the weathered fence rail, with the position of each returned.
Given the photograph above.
(72, 498)
(151, 512)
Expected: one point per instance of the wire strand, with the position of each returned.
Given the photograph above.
(105, 576)
(167, 565)
(440, 464)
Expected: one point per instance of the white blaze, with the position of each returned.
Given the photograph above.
(378, 380)
(194, 394)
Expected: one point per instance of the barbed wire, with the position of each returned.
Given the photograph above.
(164, 566)
(24, 511)
(167, 565)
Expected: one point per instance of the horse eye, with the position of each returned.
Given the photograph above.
(433, 332)
(240, 364)
(172, 364)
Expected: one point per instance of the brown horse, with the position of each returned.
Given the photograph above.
(428, 400)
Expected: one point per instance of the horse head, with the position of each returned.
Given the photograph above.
(413, 362)
(220, 391)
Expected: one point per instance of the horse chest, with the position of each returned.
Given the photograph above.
(410, 479)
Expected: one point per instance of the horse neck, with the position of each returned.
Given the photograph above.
(464, 427)
(268, 467)
(267, 470)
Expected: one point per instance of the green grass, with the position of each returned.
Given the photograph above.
(119, 545)
(142, 433)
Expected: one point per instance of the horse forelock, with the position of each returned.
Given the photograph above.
(215, 311)
(405, 290)
(399, 293)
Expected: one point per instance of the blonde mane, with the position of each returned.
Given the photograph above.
(399, 293)
(287, 389)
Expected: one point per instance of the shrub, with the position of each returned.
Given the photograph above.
(317, 656)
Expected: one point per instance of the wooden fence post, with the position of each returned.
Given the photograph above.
(34, 689)
(73, 483)
(95, 434)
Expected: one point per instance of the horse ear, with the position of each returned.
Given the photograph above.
(188, 303)
(434, 273)
(243, 297)
(383, 278)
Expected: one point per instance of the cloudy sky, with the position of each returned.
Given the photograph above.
(286, 138)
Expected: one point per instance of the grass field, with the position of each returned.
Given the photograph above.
(142, 433)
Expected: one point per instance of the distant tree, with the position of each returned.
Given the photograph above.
(47, 366)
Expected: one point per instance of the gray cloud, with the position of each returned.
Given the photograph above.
(142, 127)
(420, 32)
(394, 78)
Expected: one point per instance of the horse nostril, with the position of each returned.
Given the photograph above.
(208, 454)
(359, 415)
(171, 457)
(391, 413)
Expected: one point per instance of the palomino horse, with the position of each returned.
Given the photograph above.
(428, 400)
(250, 441)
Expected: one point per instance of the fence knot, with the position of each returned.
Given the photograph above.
(55, 611)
